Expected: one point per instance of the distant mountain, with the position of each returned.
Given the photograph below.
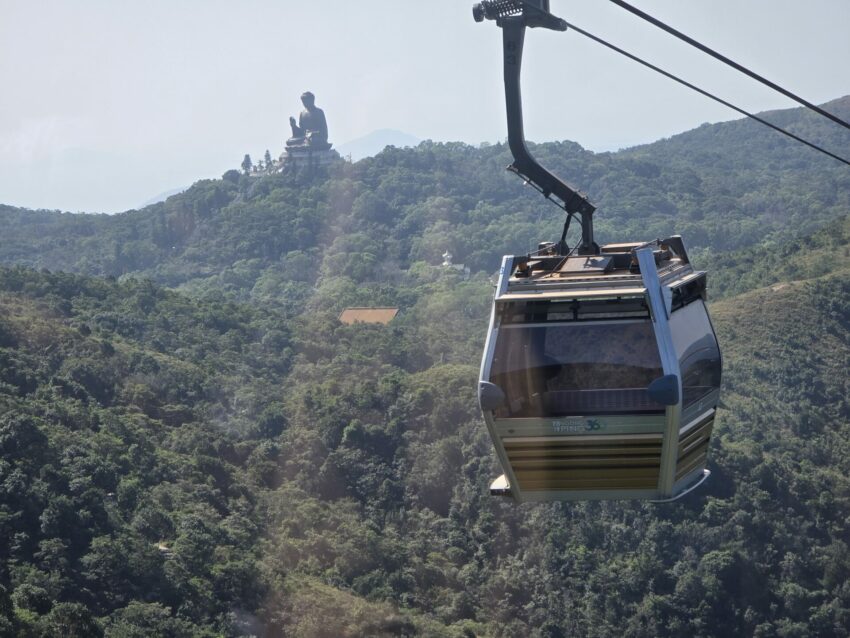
(163, 196)
(375, 142)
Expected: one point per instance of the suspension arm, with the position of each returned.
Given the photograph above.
(513, 16)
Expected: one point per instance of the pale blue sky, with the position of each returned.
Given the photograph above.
(105, 104)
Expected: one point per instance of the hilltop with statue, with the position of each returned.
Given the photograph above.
(307, 148)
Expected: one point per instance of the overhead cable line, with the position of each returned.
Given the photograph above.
(705, 93)
(719, 56)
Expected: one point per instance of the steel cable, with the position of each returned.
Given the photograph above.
(705, 93)
(719, 56)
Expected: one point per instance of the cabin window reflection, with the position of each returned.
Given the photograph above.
(576, 369)
(696, 348)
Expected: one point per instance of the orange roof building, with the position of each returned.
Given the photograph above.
(368, 315)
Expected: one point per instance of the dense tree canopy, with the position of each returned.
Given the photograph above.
(192, 444)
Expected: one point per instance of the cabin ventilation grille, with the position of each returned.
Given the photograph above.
(603, 462)
(693, 447)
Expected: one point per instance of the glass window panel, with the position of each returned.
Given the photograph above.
(588, 368)
(696, 348)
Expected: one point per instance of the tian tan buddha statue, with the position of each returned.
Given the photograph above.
(312, 128)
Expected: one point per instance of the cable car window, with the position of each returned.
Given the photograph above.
(578, 369)
(575, 310)
(696, 348)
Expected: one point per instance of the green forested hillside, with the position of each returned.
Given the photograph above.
(128, 416)
(723, 187)
(195, 466)
(228, 459)
(826, 251)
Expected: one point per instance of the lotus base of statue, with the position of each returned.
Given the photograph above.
(296, 157)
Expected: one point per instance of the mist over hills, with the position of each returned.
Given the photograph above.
(192, 444)
(163, 196)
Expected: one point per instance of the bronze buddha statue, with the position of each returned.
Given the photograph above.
(311, 131)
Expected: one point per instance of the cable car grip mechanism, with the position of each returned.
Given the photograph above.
(513, 16)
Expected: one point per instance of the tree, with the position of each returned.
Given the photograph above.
(147, 619)
(231, 176)
(247, 164)
(268, 159)
(72, 620)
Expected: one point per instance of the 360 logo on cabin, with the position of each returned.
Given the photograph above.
(576, 425)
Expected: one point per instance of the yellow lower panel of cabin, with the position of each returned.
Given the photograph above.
(600, 462)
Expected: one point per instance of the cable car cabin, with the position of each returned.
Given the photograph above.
(601, 374)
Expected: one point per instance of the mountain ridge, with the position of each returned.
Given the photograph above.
(413, 204)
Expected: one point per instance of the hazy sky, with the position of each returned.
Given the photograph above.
(105, 104)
